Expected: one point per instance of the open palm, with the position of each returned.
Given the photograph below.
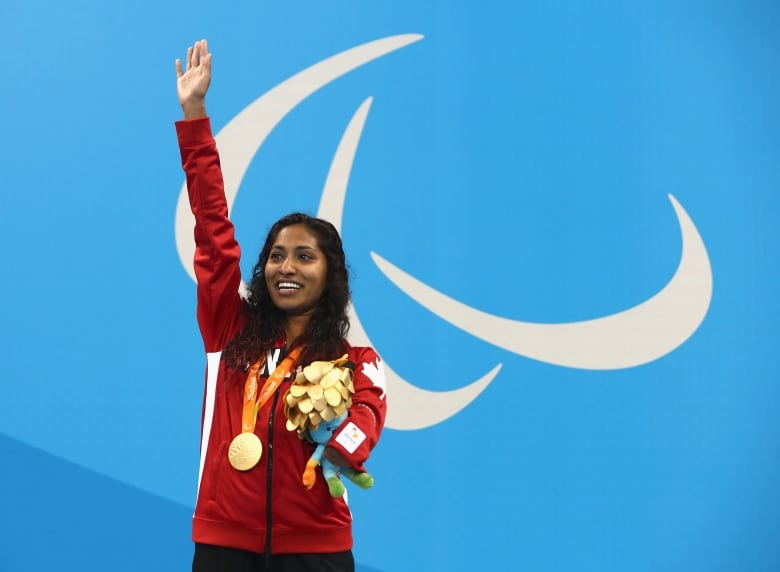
(192, 84)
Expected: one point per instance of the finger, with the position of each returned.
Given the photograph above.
(179, 71)
(190, 58)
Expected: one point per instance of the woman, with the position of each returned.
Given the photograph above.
(258, 515)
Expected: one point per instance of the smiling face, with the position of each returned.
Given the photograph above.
(296, 271)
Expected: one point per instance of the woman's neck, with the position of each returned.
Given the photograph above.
(294, 327)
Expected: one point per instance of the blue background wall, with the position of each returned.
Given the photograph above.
(517, 158)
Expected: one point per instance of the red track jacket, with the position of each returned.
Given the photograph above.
(267, 506)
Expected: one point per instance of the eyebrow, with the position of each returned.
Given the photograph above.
(296, 248)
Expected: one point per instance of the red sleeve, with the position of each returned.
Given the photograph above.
(217, 253)
(360, 432)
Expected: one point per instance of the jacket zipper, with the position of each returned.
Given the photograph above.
(269, 477)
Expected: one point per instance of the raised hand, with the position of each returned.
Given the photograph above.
(192, 84)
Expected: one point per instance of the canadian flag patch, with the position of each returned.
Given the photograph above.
(350, 437)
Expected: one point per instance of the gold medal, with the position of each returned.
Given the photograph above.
(246, 448)
(245, 451)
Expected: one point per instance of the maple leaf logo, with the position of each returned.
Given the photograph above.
(376, 373)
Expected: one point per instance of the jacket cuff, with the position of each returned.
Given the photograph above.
(194, 131)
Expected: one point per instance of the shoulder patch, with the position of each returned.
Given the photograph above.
(376, 373)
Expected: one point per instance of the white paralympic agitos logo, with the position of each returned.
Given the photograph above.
(629, 338)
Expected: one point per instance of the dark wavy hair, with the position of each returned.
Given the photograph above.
(324, 336)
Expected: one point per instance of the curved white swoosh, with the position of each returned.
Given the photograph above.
(411, 407)
(630, 338)
(240, 139)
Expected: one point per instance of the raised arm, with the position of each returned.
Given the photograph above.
(192, 84)
(217, 253)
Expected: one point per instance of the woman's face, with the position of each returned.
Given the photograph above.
(296, 271)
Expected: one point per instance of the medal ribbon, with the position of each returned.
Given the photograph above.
(253, 403)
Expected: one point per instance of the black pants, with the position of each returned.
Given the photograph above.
(210, 558)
